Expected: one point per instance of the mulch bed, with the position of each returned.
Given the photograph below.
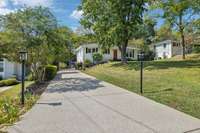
(37, 88)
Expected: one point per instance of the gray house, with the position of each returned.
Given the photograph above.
(9, 69)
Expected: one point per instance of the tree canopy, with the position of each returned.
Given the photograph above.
(36, 31)
(179, 13)
(114, 22)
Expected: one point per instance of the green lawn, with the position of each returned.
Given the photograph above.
(14, 91)
(10, 107)
(174, 83)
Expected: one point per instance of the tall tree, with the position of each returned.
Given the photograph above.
(179, 13)
(114, 22)
(59, 43)
(34, 29)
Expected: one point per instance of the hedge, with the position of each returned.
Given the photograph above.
(8, 82)
(50, 72)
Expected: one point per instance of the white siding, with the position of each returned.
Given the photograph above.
(107, 57)
(170, 50)
(163, 49)
(88, 56)
(10, 69)
(82, 55)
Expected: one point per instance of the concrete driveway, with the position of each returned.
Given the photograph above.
(77, 103)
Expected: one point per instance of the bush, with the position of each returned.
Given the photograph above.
(150, 55)
(87, 63)
(50, 72)
(196, 49)
(79, 65)
(97, 57)
(8, 82)
(1, 78)
(29, 77)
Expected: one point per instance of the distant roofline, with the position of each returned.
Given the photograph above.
(161, 42)
(83, 45)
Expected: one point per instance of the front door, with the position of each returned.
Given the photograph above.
(115, 54)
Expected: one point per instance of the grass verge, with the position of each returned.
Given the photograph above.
(173, 83)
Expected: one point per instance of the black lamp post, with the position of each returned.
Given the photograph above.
(141, 59)
(23, 58)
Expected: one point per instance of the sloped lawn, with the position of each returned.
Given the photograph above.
(10, 107)
(174, 83)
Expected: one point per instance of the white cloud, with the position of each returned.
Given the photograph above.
(3, 3)
(33, 3)
(3, 7)
(76, 14)
(4, 11)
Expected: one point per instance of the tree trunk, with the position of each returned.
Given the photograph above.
(123, 52)
(183, 44)
(181, 30)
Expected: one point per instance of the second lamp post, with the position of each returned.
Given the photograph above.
(141, 59)
(23, 58)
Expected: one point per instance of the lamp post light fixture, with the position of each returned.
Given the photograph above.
(23, 59)
(141, 59)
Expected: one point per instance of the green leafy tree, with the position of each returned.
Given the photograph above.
(60, 45)
(179, 13)
(35, 30)
(113, 22)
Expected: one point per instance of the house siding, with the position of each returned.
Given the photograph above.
(166, 49)
(82, 55)
(10, 69)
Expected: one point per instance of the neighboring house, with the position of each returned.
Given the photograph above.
(167, 49)
(85, 52)
(9, 69)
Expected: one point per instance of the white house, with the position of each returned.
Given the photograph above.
(85, 52)
(9, 69)
(167, 49)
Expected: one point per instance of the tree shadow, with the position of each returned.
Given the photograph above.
(51, 104)
(61, 85)
(153, 65)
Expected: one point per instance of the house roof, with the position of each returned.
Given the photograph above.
(95, 44)
(85, 45)
(162, 42)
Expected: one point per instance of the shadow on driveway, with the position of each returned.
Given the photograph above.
(62, 85)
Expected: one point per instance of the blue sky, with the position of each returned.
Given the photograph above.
(64, 10)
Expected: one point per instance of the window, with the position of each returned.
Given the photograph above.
(126, 54)
(1, 66)
(106, 51)
(97, 50)
(165, 45)
(130, 53)
(133, 53)
(88, 50)
(93, 50)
